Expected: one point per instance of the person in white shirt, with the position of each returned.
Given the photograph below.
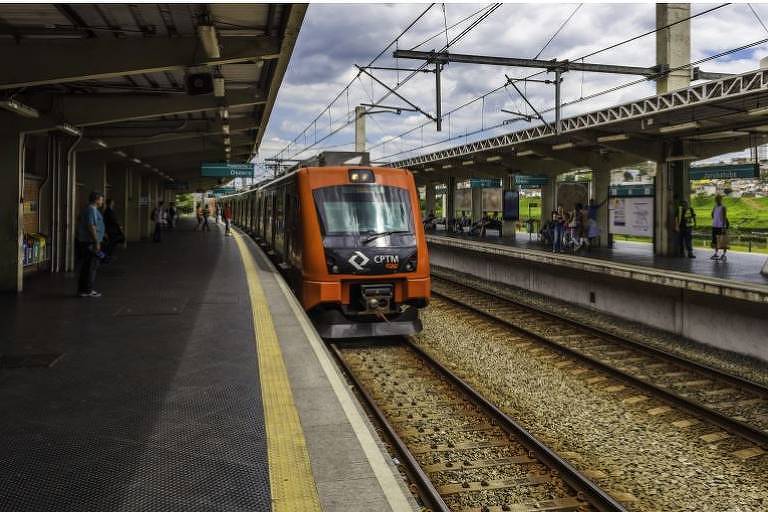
(719, 227)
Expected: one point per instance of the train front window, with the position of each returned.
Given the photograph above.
(363, 210)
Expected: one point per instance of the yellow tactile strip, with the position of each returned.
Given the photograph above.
(290, 474)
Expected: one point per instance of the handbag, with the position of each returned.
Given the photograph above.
(722, 240)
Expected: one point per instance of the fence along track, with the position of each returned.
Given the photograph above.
(732, 403)
(463, 453)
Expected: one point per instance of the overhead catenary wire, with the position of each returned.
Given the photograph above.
(538, 73)
(599, 93)
(349, 84)
(457, 38)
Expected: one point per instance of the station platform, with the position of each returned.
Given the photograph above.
(740, 266)
(718, 304)
(194, 384)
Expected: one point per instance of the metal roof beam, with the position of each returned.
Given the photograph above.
(196, 129)
(563, 65)
(54, 61)
(99, 109)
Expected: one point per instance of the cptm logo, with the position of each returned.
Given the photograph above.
(358, 260)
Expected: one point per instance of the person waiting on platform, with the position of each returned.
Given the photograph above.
(206, 214)
(720, 225)
(685, 220)
(157, 217)
(90, 235)
(227, 220)
(429, 221)
(558, 224)
(171, 216)
(593, 228)
(199, 215)
(113, 229)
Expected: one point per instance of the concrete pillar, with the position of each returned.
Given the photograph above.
(673, 45)
(91, 171)
(359, 129)
(548, 198)
(11, 213)
(477, 204)
(671, 186)
(119, 182)
(508, 227)
(450, 199)
(429, 198)
(601, 181)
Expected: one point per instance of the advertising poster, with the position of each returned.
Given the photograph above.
(631, 216)
(511, 205)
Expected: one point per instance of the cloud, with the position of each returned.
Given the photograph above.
(334, 37)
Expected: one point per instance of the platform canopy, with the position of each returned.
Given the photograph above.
(120, 74)
(694, 123)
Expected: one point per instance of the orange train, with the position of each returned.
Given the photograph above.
(350, 242)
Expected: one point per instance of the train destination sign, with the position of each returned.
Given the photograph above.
(225, 170)
(724, 172)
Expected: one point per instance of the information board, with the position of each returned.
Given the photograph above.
(511, 205)
(630, 216)
(224, 191)
(225, 170)
(484, 183)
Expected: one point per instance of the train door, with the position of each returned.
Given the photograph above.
(292, 227)
(278, 241)
(269, 217)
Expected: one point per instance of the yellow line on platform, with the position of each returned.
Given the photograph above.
(290, 475)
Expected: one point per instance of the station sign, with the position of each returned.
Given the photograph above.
(530, 181)
(485, 183)
(177, 185)
(224, 191)
(724, 172)
(639, 190)
(225, 170)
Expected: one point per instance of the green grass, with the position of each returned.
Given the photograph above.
(744, 213)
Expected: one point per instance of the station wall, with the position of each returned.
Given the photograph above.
(730, 324)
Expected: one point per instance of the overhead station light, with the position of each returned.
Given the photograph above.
(760, 111)
(100, 143)
(225, 128)
(224, 113)
(682, 158)
(429, 169)
(210, 41)
(679, 127)
(69, 129)
(564, 145)
(494, 158)
(218, 86)
(447, 166)
(19, 108)
(135, 160)
(227, 140)
(121, 153)
(613, 138)
(468, 162)
(527, 152)
(149, 166)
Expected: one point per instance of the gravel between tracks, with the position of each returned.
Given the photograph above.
(743, 366)
(635, 455)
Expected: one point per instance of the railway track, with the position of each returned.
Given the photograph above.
(736, 405)
(463, 453)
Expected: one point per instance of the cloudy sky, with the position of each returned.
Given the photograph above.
(335, 37)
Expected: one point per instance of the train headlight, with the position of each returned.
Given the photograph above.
(361, 176)
(333, 268)
(410, 265)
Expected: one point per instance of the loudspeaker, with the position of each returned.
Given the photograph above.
(199, 83)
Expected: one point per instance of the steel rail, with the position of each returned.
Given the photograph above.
(723, 421)
(700, 368)
(427, 491)
(585, 488)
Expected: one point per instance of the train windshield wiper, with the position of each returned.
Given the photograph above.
(374, 236)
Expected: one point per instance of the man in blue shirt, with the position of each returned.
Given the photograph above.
(90, 235)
